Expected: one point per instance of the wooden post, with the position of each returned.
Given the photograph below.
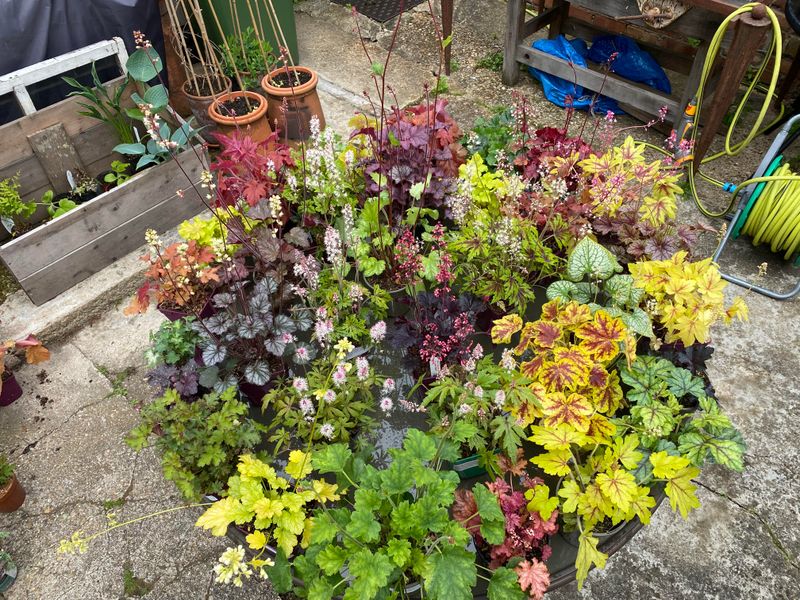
(175, 70)
(447, 30)
(748, 34)
(515, 20)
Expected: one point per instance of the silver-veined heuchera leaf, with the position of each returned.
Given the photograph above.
(257, 373)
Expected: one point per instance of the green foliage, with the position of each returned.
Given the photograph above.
(275, 507)
(172, 343)
(480, 400)
(5, 557)
(247, 56)
(494, 256)
(200, 440)
(398, 531)
(104, 106)
(6, 470)
(492, 61)
(491, 135)
(162, 143)
(592, 277)
(337, 411)
(659, 392)
(12, 208)
(134, 586)
(118, 173)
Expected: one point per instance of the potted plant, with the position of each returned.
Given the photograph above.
(396, 535)
(293, 102)
(118, 174)
(530, 521)
(250, 57)
(480, 394)
(200, 438)
(35, 353)
(8, 570)
(12, 494)
(274, 511)
(242, 111)
(14, 212)
(180, 279)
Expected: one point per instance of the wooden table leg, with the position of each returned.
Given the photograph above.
(693, 80)
(749, 31)
(447, 30)
(515, 19)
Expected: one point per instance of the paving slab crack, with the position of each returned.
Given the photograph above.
(774, 538)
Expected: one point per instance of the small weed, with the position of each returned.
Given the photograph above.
(117, 381)
(442, 86)
(112, 504)
(694, 42)
(455, 66)
(134, 586)
(492, 61)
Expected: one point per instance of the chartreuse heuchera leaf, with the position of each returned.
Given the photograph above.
(273, 505)
(588, 555)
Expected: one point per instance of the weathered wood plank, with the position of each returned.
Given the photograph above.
(15, 134)
(44, 245)
(642, 97)
(102, 251)
(57, 155)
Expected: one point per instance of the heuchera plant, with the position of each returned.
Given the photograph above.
(180, 275)
(480, 395)
(634, 203)
(418, 144)
(331, 403)
(686, 297)
(527, 529)
(274, 509)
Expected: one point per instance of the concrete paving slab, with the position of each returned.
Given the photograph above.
(117, 341)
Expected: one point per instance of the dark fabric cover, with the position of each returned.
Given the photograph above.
(33, 30)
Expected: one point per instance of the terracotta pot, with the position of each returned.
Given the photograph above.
(11, 391)
(199, 107)
(253, 124)
(302, 102)
(12, 495)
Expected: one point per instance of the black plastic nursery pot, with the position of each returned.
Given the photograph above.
(8, 574)
(174, 314)
(11, 391)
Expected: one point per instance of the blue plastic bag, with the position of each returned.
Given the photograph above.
(631, 62)
(557, 90)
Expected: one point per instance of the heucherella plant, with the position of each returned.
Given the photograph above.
(593, 277)
(623, 175)
(686, 298)
(610, 466)
(334, 400)
(275, 509)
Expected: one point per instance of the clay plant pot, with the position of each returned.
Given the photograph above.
(12, 495)
(293, 117)
(199, 107)
(11, 391)
(253, 124)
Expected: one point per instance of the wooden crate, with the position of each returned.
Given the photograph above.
(60, 253)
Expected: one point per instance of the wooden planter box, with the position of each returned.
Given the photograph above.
(61, 252)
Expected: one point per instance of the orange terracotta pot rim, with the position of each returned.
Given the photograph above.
(244, 119)
(297, 90)
(225, 78)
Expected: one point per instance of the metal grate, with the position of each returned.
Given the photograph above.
(379, 10)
